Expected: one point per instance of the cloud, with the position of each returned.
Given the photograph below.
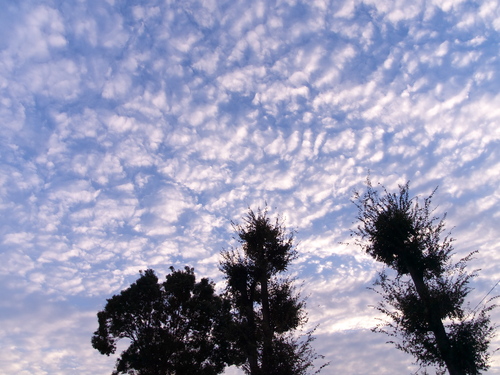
(43, 31)
(133, 134)
(45, 331)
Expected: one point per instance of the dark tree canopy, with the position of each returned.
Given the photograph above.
(426, 298)
(175, 327)
(266, 308)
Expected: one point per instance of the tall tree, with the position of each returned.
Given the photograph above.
(425, 298)
(267, 309)
(175, 327)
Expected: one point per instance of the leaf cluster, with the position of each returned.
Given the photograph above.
(397, 230)
(427, 286)
(174, 327)
(266, 307)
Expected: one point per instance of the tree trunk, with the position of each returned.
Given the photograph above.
(252, 345)
(435, 323)
(267, 350)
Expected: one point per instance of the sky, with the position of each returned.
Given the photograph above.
(132, 133)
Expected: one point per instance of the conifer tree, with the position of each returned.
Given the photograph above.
(266, 308)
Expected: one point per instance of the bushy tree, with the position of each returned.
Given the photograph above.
(425, 297)
(266, 308)
(175, 327)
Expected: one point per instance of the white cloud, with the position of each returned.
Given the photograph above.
(78, 191)
(169, 204)
(112, 35)
(208, 62)
(134, 153)
(42, 31)
(15, 261)
(133, 135)
(60, 79)
(116, 86)
(242, 80)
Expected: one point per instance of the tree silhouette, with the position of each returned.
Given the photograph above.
(425, 298)
(174, 328)
(266, 308)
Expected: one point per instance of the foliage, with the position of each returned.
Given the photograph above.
(174, 328)
(428, 289)
(266, 308)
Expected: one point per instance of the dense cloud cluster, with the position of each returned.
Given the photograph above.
(132, 134)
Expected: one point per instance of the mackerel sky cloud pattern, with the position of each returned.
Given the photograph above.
(133, 132)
